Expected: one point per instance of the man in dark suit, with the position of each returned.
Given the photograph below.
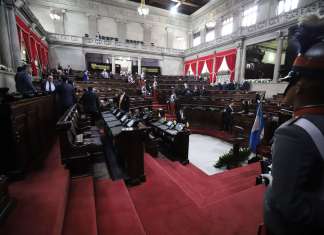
(123, 102)
(227, 117)
(66, 95)
(91, 104)
(24, 83)
(48, 85)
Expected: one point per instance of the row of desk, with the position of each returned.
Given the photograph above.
(127, 138)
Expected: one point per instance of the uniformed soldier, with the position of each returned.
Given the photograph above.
(294, 201)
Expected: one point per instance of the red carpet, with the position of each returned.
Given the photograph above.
(41, 200)
(116, 214)
(205, 190)
(163, 207)
(80, 217)
(237, 215)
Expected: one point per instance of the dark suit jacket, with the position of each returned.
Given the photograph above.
(66, 95)
(294, 202)
(90, 102)
(24, 83)
(124, 105)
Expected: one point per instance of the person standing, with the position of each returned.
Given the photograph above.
(23, 79)
(294, 201)
(66, 95)
(228, 118)
(48, 85)
(123, 102)
(91, 104)
(85, 75)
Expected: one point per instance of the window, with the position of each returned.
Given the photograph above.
(250, 16)
(287, 5)
(210, 34)
(196, 39)
(227, 26)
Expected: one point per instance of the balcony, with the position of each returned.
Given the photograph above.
(113, 45)
(270, 25)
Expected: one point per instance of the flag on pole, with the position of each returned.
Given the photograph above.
(257, 130)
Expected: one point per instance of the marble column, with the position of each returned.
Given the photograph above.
(238, 62)
(243, 63)
(13, 32)
(113, 65)
(59, 25)
(139, 66)
(190, 39)
(203, 35)
(5, 53)
(170, 37)
(122, 30)
(93, 26)
(276, 72)
(147, 33)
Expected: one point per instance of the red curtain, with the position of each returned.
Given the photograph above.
(193, 67)
(27, 43)
(186, 68)
(210, 63)
(230, 60)
(218, 63)
(33, 55)
(200, 66)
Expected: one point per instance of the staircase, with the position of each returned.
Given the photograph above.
(175, 199)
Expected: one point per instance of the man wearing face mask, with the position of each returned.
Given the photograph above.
(294, 201)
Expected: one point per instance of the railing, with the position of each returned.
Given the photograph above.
(92, 42)
(260, 28)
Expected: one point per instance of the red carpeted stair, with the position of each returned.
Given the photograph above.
(80, 217)
(115, 210)
(163, 207)
(41, 200)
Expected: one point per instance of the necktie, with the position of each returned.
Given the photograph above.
(50, 87)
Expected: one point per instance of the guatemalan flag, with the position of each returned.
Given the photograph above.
(257, 130)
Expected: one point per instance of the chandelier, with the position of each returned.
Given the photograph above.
(143, 10)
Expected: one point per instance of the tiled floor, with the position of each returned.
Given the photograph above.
(204, 152)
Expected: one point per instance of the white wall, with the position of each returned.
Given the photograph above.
(180, 39)
(135, 31)
(42, 14)
(66, 55)
(8, 80)
(107, 27)
(76, 23)
(171, 66)
(158, 36)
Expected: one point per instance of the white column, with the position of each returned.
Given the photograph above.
(139, 66)
(59, 25)
(13, 32)
(93, 26)
(113, 66)
(122, 30)
(276, 71)
(243, 63)
(147, 33)
(190, 39)
(238, 62)
(203, 35)
(5, 54)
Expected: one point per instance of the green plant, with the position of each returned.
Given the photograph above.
(229, 161)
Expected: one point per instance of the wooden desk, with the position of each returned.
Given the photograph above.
(27, 131)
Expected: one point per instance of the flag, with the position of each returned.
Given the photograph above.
(257, 130)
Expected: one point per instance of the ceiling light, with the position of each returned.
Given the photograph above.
(143, 10)
(174, 9)
(54, 15)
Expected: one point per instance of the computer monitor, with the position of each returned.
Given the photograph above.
(124, 118)
(179, 127)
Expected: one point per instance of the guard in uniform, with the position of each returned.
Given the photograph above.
(294, 201)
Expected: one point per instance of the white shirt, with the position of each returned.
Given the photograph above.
(48, 85)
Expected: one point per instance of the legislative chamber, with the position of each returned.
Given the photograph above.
(168, 117)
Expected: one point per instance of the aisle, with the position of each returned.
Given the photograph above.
(204, 151)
